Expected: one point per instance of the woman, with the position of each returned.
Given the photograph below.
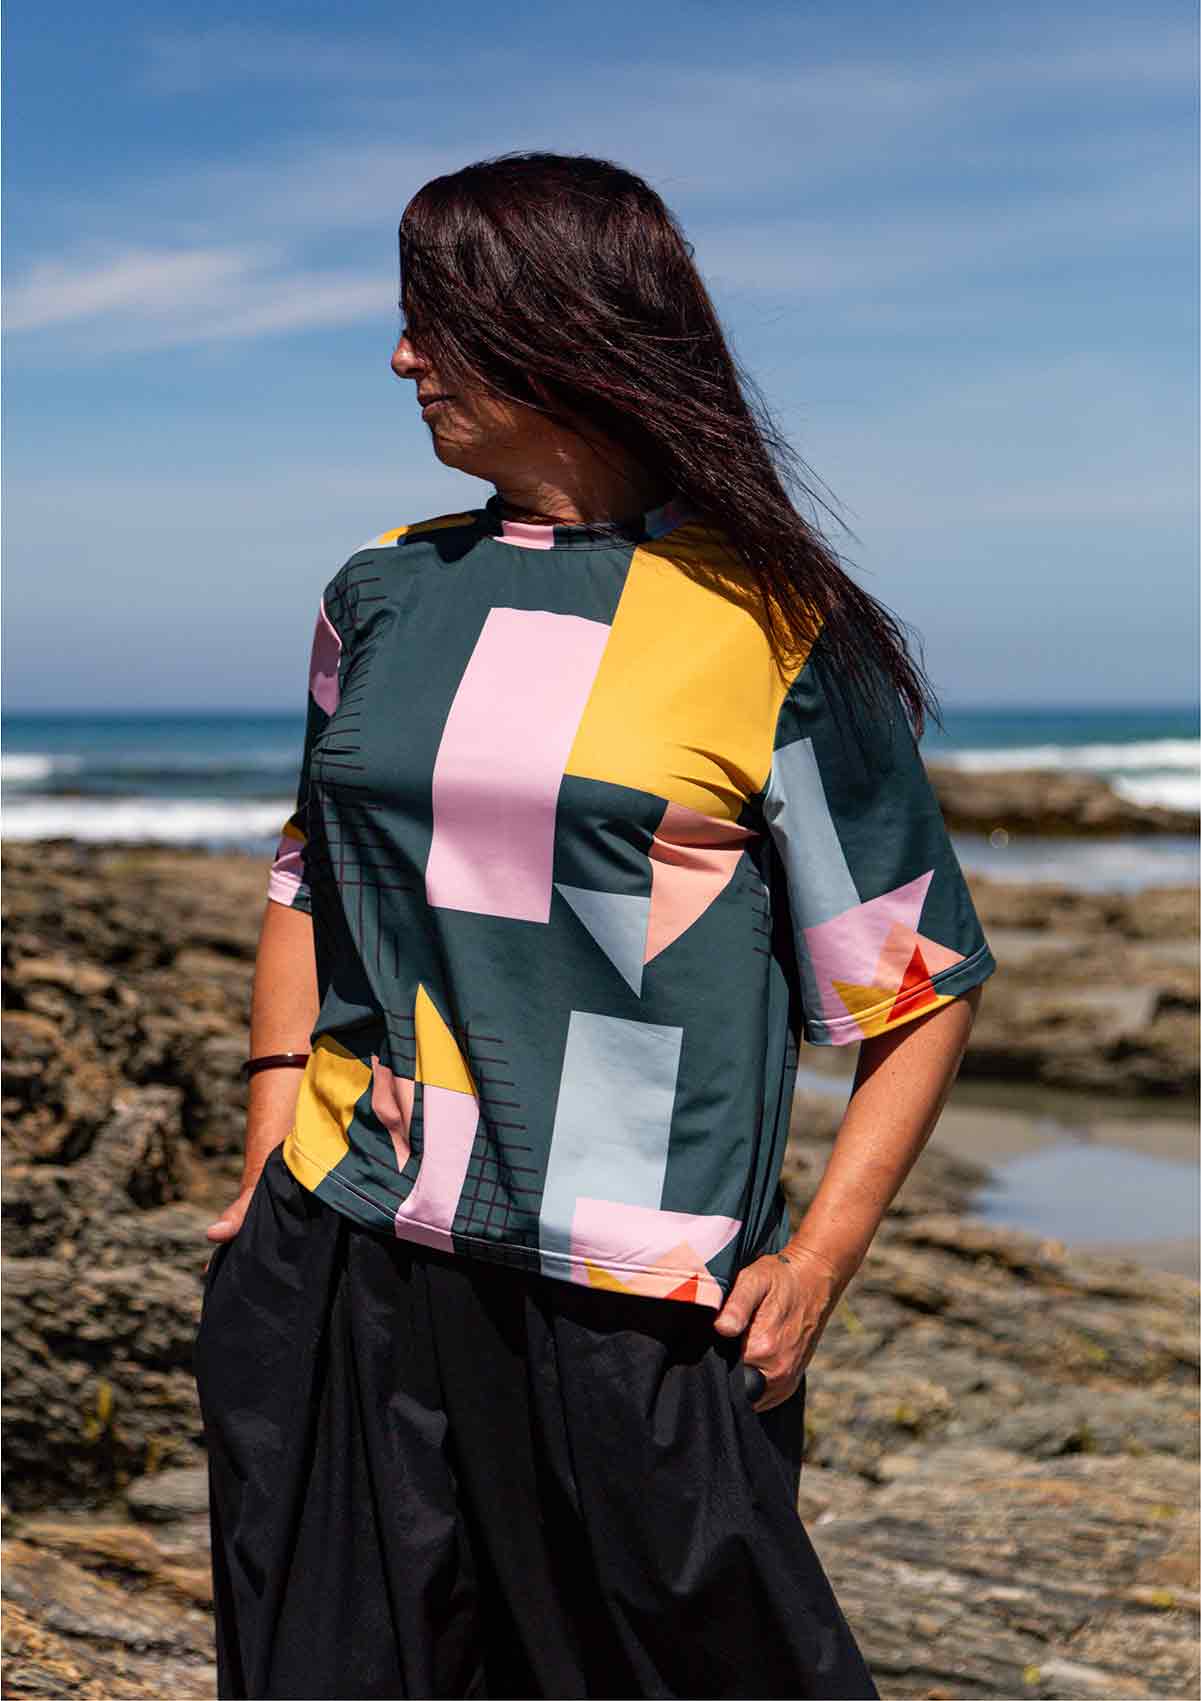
(608, 793)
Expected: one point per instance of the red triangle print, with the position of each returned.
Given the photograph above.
(686, 1290)
(916, 976)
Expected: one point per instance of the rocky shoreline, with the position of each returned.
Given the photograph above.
(1002, 1435)
(1048, 804)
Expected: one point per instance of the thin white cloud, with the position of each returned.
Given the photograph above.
(133, 301)
(295, 190)
(58, 292)
(303, 304)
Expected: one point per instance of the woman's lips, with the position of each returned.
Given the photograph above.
(438, 402)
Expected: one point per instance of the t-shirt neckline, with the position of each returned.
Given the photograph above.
(595, 534)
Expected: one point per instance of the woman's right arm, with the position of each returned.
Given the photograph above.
(284, 1002)
(283, 1011)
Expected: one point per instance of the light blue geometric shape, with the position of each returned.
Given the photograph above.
(819, 881)
(612, 1126)
(618, 924)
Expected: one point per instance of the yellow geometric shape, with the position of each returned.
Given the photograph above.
(333, 1082)
(292, 831)
(685, 700)
(861, 1000)
(440, 1063)
(877, 1009)
(599, 1277)
(435, 525)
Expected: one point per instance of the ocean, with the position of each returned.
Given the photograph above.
(228, 781)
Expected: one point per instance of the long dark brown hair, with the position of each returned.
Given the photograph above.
(564, 283)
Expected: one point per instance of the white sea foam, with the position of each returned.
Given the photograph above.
(1170, 791)
(27, 768)
(169, 821)
(1163, 771)
(1160, 753)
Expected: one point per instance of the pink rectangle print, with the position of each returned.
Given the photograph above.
(323, 662)
(449, 1125)
(501, 759)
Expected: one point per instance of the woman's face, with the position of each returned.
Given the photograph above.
(472, 430)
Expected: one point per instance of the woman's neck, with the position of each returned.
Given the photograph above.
(580, 495)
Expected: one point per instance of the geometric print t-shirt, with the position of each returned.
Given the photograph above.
(584, 867)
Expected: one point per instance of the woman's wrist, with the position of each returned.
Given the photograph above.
(838, 1267)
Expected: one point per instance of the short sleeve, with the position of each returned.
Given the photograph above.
(880, 916)
(289, 880)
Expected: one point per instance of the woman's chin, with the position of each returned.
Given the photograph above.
(458, 455)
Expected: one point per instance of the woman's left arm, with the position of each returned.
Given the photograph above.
(784, 1300)
(883, 948)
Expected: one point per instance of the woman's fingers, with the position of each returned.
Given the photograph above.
(229, 1222)
(751, 1287)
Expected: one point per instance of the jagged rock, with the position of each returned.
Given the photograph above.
(141, 1148)
(71, 1600)
(1048, 804)
(98, 1382)
(65, 1625)
(985, 1574)
(43, 1666)
(167, 1496)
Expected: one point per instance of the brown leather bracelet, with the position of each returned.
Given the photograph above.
(274, 1060)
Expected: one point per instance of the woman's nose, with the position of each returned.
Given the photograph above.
(406, 362)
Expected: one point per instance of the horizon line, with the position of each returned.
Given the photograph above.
(197, 711)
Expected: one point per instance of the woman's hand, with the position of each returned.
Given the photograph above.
(786, 1299)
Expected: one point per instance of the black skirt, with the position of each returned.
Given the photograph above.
(438, 1477)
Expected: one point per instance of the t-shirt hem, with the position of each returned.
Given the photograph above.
(959, 978)
(285, 889)
(562, 1260)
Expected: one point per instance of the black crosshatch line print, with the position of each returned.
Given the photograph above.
(363, 817)
(353, 870)
(488, 1205)
(346, 595)
(325, 858)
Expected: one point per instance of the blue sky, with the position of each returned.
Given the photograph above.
(956, 245)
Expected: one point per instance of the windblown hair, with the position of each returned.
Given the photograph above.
(564, 283)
